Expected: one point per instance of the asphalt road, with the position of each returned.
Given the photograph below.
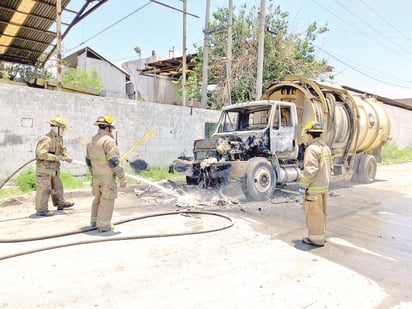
(259, 262)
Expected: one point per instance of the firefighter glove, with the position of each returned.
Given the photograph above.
(59, 158)
(123, 182)
(68, 159)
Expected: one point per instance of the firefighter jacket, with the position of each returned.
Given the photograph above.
(316, 167)
(48, 148)
(102, 158)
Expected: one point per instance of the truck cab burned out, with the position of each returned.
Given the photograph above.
(262, 142)
(261, 131)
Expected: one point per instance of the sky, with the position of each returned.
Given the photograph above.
(369, 42)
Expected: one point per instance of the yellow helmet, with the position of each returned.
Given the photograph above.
(105, 121)
(314, 127)
(58, 121)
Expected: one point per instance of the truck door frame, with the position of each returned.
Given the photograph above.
(283, 130)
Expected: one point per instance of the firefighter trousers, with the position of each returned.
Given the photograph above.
(48, 185)
(105, 193)
(315, 208)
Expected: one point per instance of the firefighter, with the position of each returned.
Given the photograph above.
(103, 161)
(314, 184)
(50, 151)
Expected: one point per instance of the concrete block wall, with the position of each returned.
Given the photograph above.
(401, 126)
(25, 112)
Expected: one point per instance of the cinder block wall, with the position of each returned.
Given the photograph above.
(25, 112)
(401, 126)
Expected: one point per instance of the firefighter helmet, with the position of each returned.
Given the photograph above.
(105, 121)
(58, 121)
(314, 127)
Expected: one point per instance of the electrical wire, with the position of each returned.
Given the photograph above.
(362, 32)
(371, 27)
(387, 22)
(359, 71)
(110, 26)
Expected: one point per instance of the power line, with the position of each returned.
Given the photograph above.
(361, 72)
(110, 26)
(387, 22)
(368, 25)
(365, 34)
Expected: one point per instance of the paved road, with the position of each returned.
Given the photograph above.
(260, 262)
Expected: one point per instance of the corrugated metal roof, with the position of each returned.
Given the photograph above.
(33, 42)
(169, 67)
(398, 103)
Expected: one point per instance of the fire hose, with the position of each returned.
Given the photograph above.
(15, 172)
(88, 229)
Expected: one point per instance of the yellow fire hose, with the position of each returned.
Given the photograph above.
(147, 136)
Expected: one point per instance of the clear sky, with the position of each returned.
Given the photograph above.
(369, 42)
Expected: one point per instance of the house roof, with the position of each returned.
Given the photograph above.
(169, 67)
(25, 28)
(90, 53)
(402, 103)
(407, 102)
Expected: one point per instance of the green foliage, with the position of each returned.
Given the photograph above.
(157, 174)
(193, 82)
(24, 73)
(285, 53)
(82, 79)
(70, 182)
(393, 154)
(26, 180)
(7, 192)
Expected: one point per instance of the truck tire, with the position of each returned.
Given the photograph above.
(260, 180)
(192, 181)
(367, 169)
(355, 175)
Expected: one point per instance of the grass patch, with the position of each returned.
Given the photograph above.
(393, 154)
(157, 174)
(71, 182)
(26, 180)
(10, 191)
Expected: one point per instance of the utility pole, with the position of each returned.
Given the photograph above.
(205, 76)
(261, 45)
(59, 43)
(185, 13)
(184, 55)
(229, 53)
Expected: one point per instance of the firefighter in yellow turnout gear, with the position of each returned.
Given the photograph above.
(50, 150)
(103, 161)
(314, 184)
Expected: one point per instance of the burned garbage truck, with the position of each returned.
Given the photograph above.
(262, 143)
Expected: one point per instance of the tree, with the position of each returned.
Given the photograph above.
(23, 72)
(285, 53)
(83, 79)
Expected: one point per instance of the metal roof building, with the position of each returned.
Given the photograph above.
(28, 28)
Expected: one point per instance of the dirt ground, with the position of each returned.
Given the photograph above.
(181, 248)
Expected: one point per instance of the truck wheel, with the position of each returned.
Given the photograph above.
(260, 180)
(355, 175)
(192, 181)
(367, 169)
